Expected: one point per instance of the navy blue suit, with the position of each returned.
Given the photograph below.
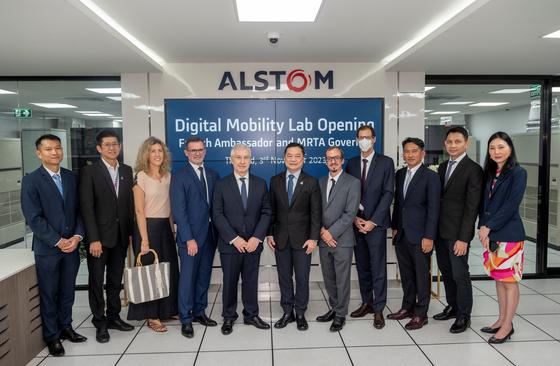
(191, 213)
(500, 211)
(371, 248)
(415, 217)
(232, 220)
(52, 217)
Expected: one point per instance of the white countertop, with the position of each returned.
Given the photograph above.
(13, 261)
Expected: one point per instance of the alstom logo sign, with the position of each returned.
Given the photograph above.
(295, 80)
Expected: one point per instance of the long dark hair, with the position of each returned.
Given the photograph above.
(490, 165)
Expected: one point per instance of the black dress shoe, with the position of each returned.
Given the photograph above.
(257, 322)
(378, 320)
(187, 330)
(337, 324)
(72, 336)
(446, 314)
(227, 327)
(205, 320)
(461, 324)
(55, 348)
(494, 340)
(490, 330)
(102, 335)
(119, 324)
(301, 322)
(362, 311)
(286, 319)
(416, 322)
(327, 317)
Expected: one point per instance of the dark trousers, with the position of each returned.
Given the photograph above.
(194, 279)
(288, 262)
(456, 277)
(414, 266)
(246, 265)
(371, 263)
(56, 275)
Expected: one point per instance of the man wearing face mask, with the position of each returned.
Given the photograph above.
(376, 173)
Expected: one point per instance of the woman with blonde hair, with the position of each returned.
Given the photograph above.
(154, 228)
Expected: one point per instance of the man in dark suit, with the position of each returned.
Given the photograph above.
(294, 231)
(49, 201)
(191, 192)
(414, 224)
(241, 214)
(108, 210)
(376, 173)
(340, 193)
(461, 182)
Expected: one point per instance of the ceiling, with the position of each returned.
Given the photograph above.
(62, 37)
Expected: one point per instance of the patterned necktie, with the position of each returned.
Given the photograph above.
(243, 192)
(58, 182)
(448, 172)
(407, 181)
(331, 190)
(203, 182)
(290, 187)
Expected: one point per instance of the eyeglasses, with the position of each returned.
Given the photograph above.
(334, 158)
(196, 151)
(113, 145)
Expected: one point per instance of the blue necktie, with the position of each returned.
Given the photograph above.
(407, 181)
(290, 187)
(58, 183)
(243, 192)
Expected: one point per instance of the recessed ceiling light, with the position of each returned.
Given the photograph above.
(2, 91)
(428, 110)
(456, 103)
(86, 112)
(556, 89)
(98, 115)
(488, 104)
(54, 105)
(105, 90)
(277, 10)
(118, 99)
(553, 34)
(446, 112)
(426, 88)
(510, 91)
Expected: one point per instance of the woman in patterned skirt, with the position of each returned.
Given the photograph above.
(154, 228)
(501, 230)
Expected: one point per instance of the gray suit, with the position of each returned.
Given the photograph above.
(338, 216)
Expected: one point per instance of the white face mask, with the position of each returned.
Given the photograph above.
(365, 144)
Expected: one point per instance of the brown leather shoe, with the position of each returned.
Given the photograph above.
(378, 320)
(362, 311)
(417, 322)
(401, 314)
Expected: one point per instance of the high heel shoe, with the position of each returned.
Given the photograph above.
(494, 340)
(490, 330)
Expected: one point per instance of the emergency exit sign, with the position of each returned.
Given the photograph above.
(22, 112)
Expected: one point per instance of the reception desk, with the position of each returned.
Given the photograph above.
(20, 316)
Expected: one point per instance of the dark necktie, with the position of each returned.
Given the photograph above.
(243, 193)
(448, 172)
(407, 180)
(290, 187)
(203, 182)
(363, 180)
(331, 190)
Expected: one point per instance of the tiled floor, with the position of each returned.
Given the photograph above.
(535, 342)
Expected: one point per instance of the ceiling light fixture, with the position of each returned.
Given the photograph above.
(86, 112)
(553, 34)
(54, 105)
(105, 90)
(456, 103)
(510, 91)
(2, 91)
(98, 115)
(446, 112)
(118, 99)
(426, 88)
(556, 89)
(277, 10)
(488, 104)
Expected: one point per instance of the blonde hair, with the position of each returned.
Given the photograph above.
(143, 158)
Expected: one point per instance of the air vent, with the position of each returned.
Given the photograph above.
(89, 99)
(443, 97)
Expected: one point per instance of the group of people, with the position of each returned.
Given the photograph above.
(186, 215)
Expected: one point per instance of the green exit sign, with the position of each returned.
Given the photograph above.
(535, 92)
(22, 112)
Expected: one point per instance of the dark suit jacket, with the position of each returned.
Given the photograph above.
(416, 216)
(500, 212)
(231, 220)
(50, 216)
(379, 187)
(300, 221)
(190, 209)
(460, 200)
(106, 217)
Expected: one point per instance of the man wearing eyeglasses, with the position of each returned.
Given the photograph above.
(340, 194)
(191, 191)
(107, 207)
